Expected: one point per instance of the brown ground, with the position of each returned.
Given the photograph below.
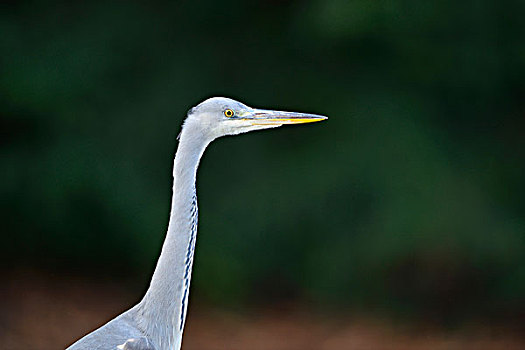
(41, 311)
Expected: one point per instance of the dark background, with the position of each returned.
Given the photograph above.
(406, 206)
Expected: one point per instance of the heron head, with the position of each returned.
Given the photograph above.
(220, 116)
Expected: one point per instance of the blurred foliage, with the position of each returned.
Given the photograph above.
(410, 198)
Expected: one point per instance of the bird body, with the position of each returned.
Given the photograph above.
(119, 333)
(157, 321)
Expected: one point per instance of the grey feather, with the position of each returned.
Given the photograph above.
(120, 333)
(137, 344)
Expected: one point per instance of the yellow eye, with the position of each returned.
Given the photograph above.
(229, 113)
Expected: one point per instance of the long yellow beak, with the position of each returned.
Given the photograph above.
(268, 117)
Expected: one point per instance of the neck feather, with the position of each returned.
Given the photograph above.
(163, 309)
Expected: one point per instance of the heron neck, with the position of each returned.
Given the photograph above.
(163, 309)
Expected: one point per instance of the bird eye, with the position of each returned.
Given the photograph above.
(229, 113)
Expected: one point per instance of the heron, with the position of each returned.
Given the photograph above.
(157, 321)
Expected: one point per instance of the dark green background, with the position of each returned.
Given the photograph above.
(408, 200)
